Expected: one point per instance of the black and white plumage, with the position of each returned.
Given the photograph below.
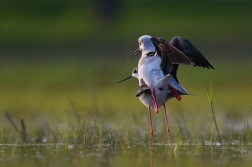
(183, 45)
(178, 51)
(158, 65)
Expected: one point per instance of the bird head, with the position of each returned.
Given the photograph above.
(133, 75)
(145, 45)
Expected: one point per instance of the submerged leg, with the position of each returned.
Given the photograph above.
(167, 126)
(154, 100)
(151, 128)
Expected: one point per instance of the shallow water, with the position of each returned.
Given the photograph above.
(124, 155)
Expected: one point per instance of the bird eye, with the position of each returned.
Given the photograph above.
(140, 43)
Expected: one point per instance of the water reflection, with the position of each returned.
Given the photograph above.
(121, 155)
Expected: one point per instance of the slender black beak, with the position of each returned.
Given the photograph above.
(134, 54)
(125, 79)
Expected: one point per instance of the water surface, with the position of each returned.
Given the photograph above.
(123, 155)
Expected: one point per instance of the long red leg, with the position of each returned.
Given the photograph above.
(167, 126)
(154, 103)
(154, 100)
(151, 128)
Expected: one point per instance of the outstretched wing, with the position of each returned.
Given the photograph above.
(174, 55)
(169, 55)
(185, 46)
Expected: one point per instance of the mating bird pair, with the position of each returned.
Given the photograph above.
(157, 71)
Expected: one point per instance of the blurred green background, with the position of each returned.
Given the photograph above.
(58, 57)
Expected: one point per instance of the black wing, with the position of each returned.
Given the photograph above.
(174, 55)
(190, 51)
(143, 89)
(174, 72)
(170, 55)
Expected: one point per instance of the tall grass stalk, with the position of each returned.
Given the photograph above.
(75, 111)
(210, 98)
(231, 129)
(10, 120)
(180, 134)
(212, 131)
(247, 132)
(85, 135)
(22, 132)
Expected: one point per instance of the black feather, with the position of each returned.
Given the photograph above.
(185, 46)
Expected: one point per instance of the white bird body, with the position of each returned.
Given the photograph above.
(149, 68)
(161, 93)
(160, 58)
(163, 89)
(146, 99)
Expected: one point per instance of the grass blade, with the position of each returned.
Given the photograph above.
(23, 132)
(210, 98)
(231, 129)
(10, 120)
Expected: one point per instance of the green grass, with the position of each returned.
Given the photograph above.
(59, 69)
(27, 85)
(61, 61)
(32, 83)
(54, 92)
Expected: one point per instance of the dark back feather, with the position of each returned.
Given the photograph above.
(170, 56)
(178, 51)
(185, 46)
(173, 55)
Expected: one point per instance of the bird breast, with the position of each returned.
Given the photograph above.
(146, 99)
(149, 69)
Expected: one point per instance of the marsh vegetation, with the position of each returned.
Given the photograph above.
(61, 104)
